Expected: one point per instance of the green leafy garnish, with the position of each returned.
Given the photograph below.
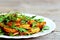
(1, 18)
(23, 21)
(1, 32)
(39, 20)
(33, 17)
(21, 29)
(11, 34)
(21, 16)
(7, 20)
(45, 28)
(27, 18)
(33, 24)
(12, 17)
(13, 25)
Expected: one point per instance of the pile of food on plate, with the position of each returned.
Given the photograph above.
(17, 24)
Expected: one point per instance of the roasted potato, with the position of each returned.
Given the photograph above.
(31, 21)
(40, 25)
(8, 30)
(35, 30)
(26, 26)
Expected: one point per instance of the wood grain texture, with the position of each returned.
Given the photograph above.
(46, 8)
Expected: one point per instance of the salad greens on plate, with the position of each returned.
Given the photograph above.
(17, 24)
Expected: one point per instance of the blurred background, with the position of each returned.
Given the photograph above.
(30, 5)
(47, 8)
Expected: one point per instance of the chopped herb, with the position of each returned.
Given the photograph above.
(23, 21)
(39, 20)
(21, 29)
(7, 20)
(13, 25)
(27, 18)
(45, 28)
(11, 34)
(1, 32)
(33, 17)
(33, 24)
(1, 18)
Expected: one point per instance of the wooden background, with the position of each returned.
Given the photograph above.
(46, 8)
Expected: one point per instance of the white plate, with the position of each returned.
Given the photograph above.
(49, 23)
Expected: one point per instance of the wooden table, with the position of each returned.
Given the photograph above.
(46, 8)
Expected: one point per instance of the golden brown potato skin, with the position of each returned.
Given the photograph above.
(31, 21)
(8, 30)
(26, 26)
(33, 30)
(9, 23)
(18, 20)
(40, 25)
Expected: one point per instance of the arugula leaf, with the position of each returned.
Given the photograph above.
(5, 16)
(12, 17)
(39, 20)
(21, 16)
(1, 18)
(11, 34)
(21, 29)
(23, 21)
(13, 25)
(33, 24)
(33, 17)
(1, 32)
(45, 28)
(27, 18)
(7, 20)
